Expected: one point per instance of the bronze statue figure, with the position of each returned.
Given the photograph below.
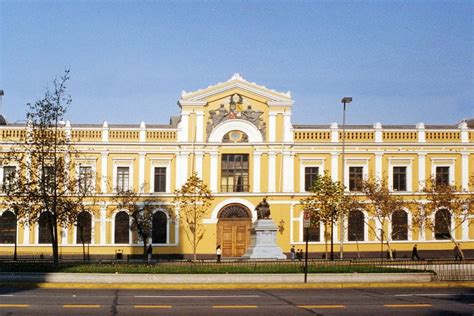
(263, 210)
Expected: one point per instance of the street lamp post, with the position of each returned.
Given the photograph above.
(344, 100)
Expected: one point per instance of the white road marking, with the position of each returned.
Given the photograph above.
(196, 296)
(6, 295)
(435, 294)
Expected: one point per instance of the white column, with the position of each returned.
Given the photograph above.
(181, 169)
(422, 236)
(335, 166)
(183, 128)
(63, 235)
(199, 126)
(421, 170)
(465, 227)
(213, 176)
(272, 126)
(198, 156)
(26, 233)
(288, 172)
(256, 171)
(465, 171)
(288, 135)
(141, 172)
(271, 172)
(103, 172)
(103, 223)
(378, 165)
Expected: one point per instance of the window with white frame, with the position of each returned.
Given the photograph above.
(123, 179)
(160, 175)
(310, 168)
(355, 171)
(442, 170)
(442, 175)
(356, 175)
(86, 179)
(9, 174)
(159, 179)
(400, 176)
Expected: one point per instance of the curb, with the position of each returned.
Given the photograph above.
(148, 286)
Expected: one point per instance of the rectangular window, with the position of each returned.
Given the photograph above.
(123, 178)
(9, 174)
(442, 175)
(355, 178)
(399, 178)
(160, 179)
(85, 178)
(310, 175)
(235, 173)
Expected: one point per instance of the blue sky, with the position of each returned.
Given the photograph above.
(401, 61)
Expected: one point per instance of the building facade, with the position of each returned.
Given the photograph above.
(240, 139)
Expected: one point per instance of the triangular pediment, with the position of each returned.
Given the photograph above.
(236, 82)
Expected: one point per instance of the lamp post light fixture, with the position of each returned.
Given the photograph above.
(344, 100)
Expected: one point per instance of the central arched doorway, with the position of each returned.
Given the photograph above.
(233, 230)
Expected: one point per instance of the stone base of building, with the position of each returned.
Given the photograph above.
(263, 243)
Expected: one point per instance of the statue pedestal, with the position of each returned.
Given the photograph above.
(263, 244)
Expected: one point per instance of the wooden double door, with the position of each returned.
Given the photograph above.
(234, 236)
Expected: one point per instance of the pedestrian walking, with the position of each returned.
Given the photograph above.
(292, 253)
(414, 253)
(149, 252)
(218, 253)
(457, 252)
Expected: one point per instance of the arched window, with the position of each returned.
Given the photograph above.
(442, 227)
(44, 235)
(122, 228)
(160, 228)
(356, 226)
(84, 228)
(399, 225)
(7, 228)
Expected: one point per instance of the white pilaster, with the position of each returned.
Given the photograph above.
(198, 157)
(63, 235)
(200, 126)
(141, 172)
(272, 126)
(378, 165)
(183, 127)
(287, 135)
(181, 169)
(288, 172)
(214, 165)
(334, 133)
(67, 130)
(103, 172)
(465, 227)
(256, 171)
(103, 223)
(26, 233)
(421, 170)
(271, 172)
(465, 171)
(335, 166)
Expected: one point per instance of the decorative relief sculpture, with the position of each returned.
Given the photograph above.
(235, 111)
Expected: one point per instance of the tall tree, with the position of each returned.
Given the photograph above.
(42, 183)
(447, 206)
(381, 204)
(192, 201)
(141, 213)
(327, 203)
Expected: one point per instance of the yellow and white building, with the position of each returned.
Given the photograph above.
(240, 139)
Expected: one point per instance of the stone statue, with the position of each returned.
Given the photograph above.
(263, 210)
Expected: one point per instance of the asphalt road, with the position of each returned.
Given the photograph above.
(363, 301)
